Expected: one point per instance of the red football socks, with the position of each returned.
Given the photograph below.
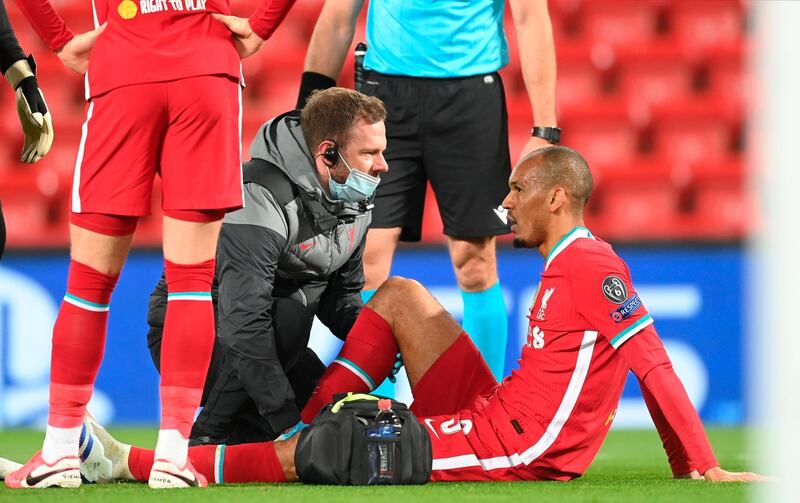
(249, 463)
(79, 337)
(366, 359)
(219, 463)
(187, 342)
(140, 462)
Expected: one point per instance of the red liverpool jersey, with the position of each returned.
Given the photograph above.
(564, 396)
(155, 40)
(159, 40)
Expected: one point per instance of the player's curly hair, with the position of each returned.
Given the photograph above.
(564, 167)
(329, 114)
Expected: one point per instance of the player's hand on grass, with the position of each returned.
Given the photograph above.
(534, 143)
(717, 474)
(246, 40)
(693, 475)
(75, 53)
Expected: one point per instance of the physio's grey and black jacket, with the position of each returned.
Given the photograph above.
(308, 249)
(290, 243)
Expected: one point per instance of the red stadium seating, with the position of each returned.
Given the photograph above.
(29, 205)
(728, 82)
(26, 215)
(723, 208)
(619, 22)
(705, 139)
(654, 82)
(638, 170)
(701, 26)
(603, 142)
(638, 210)
(578, 83)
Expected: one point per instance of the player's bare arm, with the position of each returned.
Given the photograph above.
(538, 60)
(73, 50)
(332, 37)
(246, 40)
(250, 33)
(676, 454)
(717, 474)
(647, 358)
(75, 54)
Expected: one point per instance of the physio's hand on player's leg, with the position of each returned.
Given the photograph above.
(75, 53)
(717, 474)
(246, 40)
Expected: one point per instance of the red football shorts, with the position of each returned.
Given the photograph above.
(451, 401)
(188, 131)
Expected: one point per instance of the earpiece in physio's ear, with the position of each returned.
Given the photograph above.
(331, 155)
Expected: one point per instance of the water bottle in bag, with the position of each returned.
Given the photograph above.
(382, 449)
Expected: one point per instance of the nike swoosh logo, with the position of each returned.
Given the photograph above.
(429, 422)
(32, 481)
(502, 214)
(189, 482)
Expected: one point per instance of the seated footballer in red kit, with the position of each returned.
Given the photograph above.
(547, 420)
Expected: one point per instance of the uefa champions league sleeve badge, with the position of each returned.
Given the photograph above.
(615, 290)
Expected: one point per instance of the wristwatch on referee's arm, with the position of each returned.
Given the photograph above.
(551, 134)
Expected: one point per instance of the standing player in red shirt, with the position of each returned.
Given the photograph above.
(548, 419)
(164, 96)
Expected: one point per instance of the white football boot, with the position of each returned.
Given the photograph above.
(103, 458)
(167, 475)
(37, 474)
(7, 466)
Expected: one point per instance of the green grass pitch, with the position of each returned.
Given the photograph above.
(631, 466)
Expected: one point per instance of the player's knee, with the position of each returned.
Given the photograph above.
(190, 241)
(394, 292)
(398, 286)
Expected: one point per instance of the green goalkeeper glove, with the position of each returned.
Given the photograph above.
(37, 125)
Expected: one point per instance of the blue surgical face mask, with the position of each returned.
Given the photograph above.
(358, 187)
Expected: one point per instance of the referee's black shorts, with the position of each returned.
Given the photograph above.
(453, 132)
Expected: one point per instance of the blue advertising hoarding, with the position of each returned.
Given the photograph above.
(694, 294)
